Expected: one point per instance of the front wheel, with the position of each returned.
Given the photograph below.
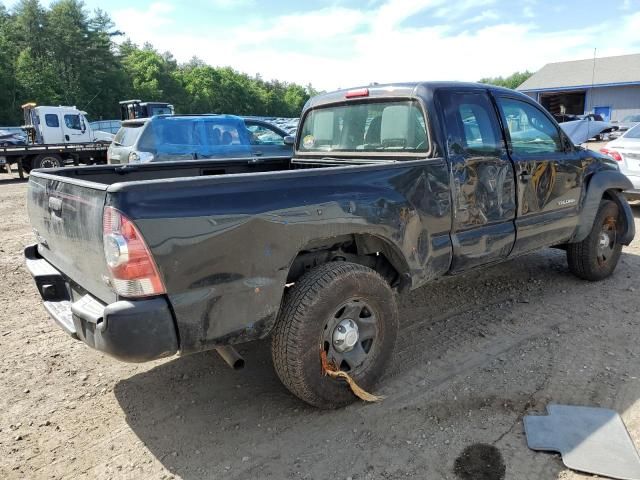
(596, 257)
(345, 310)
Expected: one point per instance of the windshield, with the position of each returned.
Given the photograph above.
(365, 127)
(633, 132)
(128, 135)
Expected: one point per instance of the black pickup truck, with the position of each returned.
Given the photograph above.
(389, 187)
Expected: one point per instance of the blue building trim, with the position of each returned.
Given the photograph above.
(579, 87)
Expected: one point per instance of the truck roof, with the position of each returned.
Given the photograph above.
(409, 89)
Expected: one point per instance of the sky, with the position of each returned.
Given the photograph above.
(344, 43)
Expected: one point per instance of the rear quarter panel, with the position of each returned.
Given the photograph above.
(224, 245)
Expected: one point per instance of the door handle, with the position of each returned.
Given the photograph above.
(66, 137)
(257, 153)
(525, 176)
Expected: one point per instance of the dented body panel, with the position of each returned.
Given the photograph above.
(249, 231)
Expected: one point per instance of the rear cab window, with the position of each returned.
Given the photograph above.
(378, 127)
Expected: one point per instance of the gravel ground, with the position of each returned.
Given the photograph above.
(475, 353)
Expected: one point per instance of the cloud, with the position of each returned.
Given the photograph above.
(454, 10)
(138, 24)
(231, 4)
(484, 17)
(336, 46)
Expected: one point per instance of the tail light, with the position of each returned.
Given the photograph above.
(133, 271)
(359, 92)
(611, 153)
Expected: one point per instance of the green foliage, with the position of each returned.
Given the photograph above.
(513, 81)
(66, 55)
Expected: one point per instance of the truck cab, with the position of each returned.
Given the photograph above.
(47, 125)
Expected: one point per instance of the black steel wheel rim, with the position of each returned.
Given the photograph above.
(352, 359)
(607, 240)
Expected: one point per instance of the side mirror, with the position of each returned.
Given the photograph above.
(289, 140)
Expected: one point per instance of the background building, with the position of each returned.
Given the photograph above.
(609, 86)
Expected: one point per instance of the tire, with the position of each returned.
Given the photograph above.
(315, 308)
(594, 258)
(47, 160)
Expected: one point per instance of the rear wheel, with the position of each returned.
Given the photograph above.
(347, 311)
(596, 257)
(47, 160)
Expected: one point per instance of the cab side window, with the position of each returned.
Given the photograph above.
(51, 119)
(471, 123)
(531, 131)
(72, 122)
(262, 135)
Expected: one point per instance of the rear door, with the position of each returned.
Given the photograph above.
(549, 174)
(66, 216)
(482, 179)
(51, 127)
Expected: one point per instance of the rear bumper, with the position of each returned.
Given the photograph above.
(129, 330)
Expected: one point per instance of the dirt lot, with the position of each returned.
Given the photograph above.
(475, 353)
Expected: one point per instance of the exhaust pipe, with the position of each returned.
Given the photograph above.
(231, 356)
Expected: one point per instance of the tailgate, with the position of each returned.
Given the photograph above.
(66, 215)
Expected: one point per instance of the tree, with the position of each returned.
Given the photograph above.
(65, 54)
(7, 73)
(513, 81)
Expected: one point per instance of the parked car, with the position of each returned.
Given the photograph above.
(627, 122)
(164, 138)
(389, 187)
(11, 139)
(626, 151)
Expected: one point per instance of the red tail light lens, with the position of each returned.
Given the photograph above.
(611, 153)
(133, 271)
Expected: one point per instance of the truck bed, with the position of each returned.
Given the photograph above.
(106, 175)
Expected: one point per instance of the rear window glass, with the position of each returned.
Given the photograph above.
(384, 127)
(128, 135)
(631, 119)
(633, 132)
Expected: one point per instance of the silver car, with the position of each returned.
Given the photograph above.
(625, 125)
(626, 151)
